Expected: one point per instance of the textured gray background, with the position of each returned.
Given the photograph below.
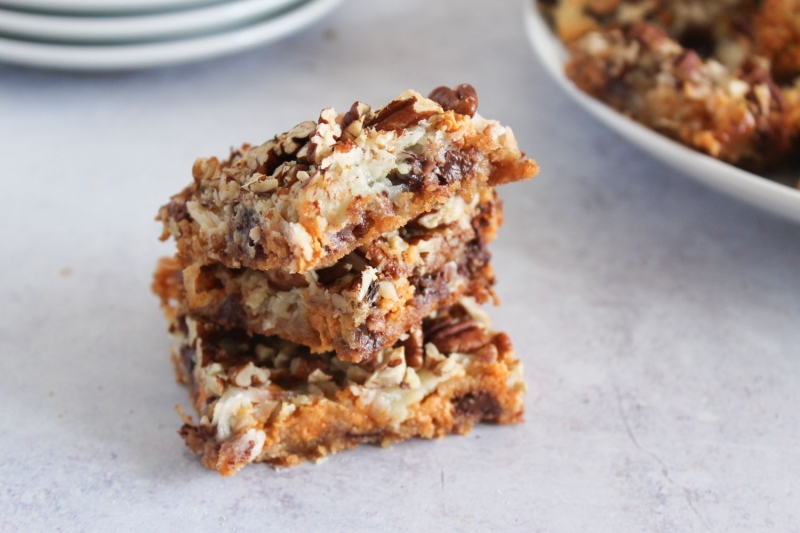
(659, 321)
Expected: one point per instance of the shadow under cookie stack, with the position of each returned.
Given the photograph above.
(327, 285)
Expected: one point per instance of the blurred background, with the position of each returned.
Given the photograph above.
(657, 319)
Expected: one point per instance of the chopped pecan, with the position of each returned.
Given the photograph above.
(291, 142)
(247, 375)
(352, 120)
(487, 354)
(503, 343)
(205, 169)
(414, 348)
(753, 74)
(462, 100)
(464, 336)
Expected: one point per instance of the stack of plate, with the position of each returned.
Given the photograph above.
(125, 34)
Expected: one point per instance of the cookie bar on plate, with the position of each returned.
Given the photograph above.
(734, 116)
(366, 300)
(312, 195)
(263, 399)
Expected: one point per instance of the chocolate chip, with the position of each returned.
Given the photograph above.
(446, 169)
(428, 288)
(365, 341)
(455, 165)
(479, 405)
(476, 256)
(419, 168)
(462, 100)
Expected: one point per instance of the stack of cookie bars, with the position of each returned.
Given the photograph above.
(327, 283)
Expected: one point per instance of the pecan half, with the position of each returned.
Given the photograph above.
(464, 336)
(398, 115)
(462, 100)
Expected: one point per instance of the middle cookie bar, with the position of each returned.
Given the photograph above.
(365, 301)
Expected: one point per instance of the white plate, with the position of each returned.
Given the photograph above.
(739, 183)
(121, 57)
(141, 27)
(104, 7)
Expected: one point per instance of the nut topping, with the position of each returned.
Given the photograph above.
(464, 336)
(398, 115)
(248, 375)
(352, 121)
(462, 100)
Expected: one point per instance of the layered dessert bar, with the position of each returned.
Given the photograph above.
(263, 399)
(366, 300)
(738, 117)
(312, 195)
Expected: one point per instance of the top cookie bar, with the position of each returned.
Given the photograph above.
(310, 196)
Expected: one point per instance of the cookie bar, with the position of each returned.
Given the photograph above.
(312, 195)
(262, 399)
(712, 28)
(365, 301)
(736, 117)
(776, 31)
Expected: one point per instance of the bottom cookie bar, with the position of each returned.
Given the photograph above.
(263, 399)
